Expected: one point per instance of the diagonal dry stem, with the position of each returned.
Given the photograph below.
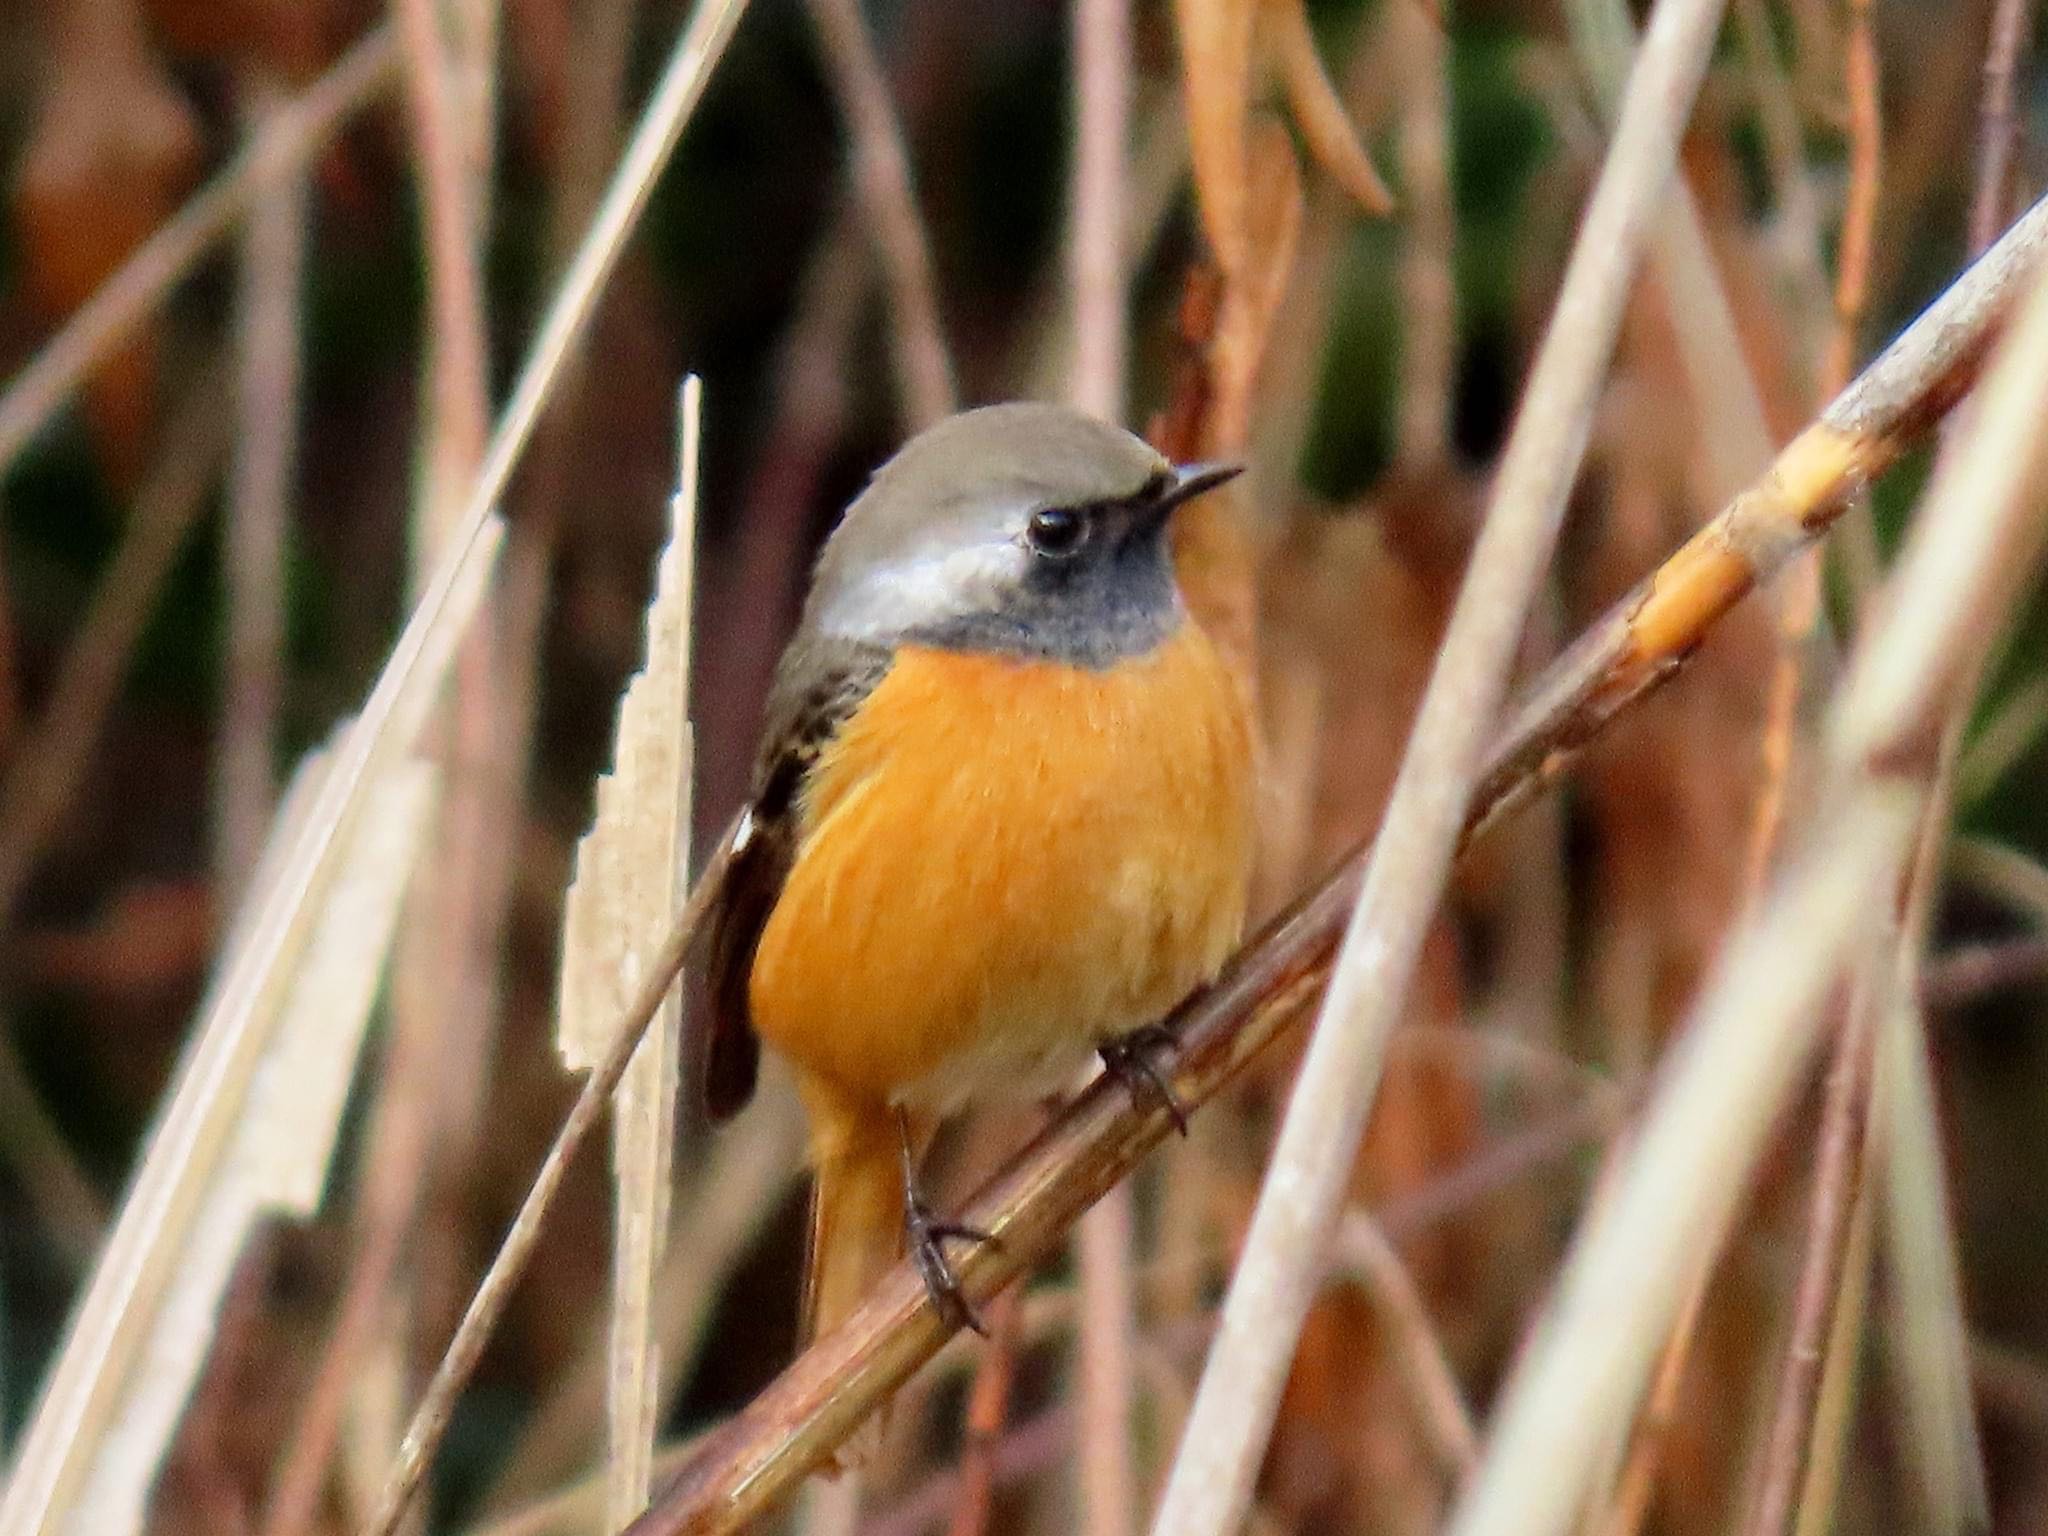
(793, 1426)
(1227, 1434)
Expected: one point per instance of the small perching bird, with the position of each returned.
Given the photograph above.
(1002, 814)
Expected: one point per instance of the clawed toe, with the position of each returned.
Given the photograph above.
(928, 1237)
(1128, 1059)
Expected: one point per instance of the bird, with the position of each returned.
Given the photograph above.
(1001, 818)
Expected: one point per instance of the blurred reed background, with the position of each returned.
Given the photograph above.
(227, 480)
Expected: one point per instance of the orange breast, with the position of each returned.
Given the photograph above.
(1002, 863)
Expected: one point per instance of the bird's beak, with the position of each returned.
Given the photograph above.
(1191, 480)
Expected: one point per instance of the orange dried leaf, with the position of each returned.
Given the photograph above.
(1216, 76)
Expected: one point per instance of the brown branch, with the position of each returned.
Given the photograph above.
(793, 1426)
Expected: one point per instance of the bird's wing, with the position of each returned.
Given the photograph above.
(818, 685)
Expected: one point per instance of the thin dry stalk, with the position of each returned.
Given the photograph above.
(288, 140)
(1759, 1014)
(1853, 262)
(881, 172)
(1998, 745)
(208, 1100)
(1734, 429)
(457, 415)
(1096, 206)
(1999, 128)
(1100, 325)
(1211, 1484)
(259, 500)
(1837, 1184)
(277, 1161)
(1638, 1478)
(793, 1426)
(731, 1198)
(56, 1189)
(1964, 974)
(1429, 295)
(443, 1023)
(1425, 1368)
(988, 1411)
(46, 766)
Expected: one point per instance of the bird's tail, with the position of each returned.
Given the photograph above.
(856, 1226)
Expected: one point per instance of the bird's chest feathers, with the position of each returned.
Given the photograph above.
(1001, 861)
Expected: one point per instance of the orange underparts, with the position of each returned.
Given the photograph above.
(1002, 862)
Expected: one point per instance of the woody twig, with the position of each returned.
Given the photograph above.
(1643, 641)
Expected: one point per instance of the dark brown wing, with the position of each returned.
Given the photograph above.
(817, 686)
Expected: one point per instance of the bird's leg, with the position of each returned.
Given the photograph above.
(927, 1235)
(1128, 1059)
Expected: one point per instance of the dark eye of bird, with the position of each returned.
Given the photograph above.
(1057, 532)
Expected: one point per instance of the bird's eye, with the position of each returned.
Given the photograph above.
(1057, 532)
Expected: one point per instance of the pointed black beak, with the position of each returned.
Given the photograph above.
(1191, 480)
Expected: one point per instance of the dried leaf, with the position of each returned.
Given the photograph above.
(630, 873)
(1216, 74)
(277, 1159)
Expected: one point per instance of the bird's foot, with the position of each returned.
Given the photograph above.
(927, 1236)
(1128, 1059)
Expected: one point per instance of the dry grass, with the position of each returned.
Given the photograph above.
(1428, 1320)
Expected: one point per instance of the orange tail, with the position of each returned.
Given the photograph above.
(856, 1216)
(856, 1225)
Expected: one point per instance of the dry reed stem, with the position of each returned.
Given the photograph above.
(1758, 1016)
(207, 1102)
(1425, 1369)
(44, 770)
(435, 1007)
(1099, 324)
(1211, 1484)
(277, 1162)
(1096, 204)
(1838, 1178)
(54, 1185)
(260, 495)
(1787, 1462)
(881, 173)
(796, 1423)
(1429, 297)
(988, 1409)
(290, 138)
(1999, 130)
(430, 1418)
(1967, 973)
(1796, 205)
(458, 398)
(443, 1022)
(1733, 426)
(1933, 1334)
(1862, 563)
